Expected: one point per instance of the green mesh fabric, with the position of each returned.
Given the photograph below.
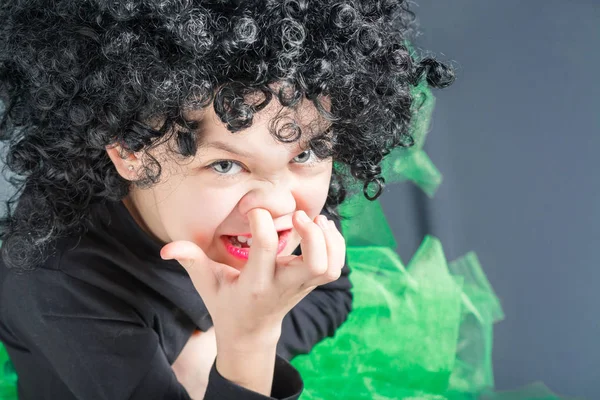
(413, 163)
(8, 377)
(373, 230)
(421, 331)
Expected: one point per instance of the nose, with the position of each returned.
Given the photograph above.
(277, 198)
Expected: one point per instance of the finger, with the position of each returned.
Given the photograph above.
(314, 249)
(203, 272)
(336, 252)
(285, 260)
(261, 260)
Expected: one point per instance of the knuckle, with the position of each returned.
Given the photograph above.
(258, 290)
(333, 274)
(318, 269)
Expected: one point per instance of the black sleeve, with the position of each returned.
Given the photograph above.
(287, 384)
(318, 315)
(99, 347)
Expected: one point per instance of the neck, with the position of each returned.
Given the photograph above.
(137, 211)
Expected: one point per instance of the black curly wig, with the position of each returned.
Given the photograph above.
(76, 76)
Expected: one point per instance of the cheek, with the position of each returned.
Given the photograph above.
(194, 213)
(311, 197)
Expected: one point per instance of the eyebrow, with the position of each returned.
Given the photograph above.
(227, 148)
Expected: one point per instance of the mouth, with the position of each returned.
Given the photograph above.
(239, 245)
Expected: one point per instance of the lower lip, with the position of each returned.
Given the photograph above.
(243, 253)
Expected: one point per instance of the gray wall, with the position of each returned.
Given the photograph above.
(517, 138)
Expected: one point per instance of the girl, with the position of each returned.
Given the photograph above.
(174, 233)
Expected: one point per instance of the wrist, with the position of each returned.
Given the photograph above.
(229, 341)
(252, 369)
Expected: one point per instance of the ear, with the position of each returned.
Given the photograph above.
(127, 163)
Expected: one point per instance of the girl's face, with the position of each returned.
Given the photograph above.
(205, 199)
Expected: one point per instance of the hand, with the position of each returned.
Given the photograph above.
(248, 306)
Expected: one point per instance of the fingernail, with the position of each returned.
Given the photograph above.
(303, 217)
(322, 222)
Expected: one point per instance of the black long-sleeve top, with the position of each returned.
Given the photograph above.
(105, 318)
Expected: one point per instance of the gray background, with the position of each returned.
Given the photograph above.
(517, 138)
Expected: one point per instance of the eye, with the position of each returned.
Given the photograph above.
(305, 157)
(226, 167)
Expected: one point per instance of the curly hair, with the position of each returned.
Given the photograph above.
(77, 76)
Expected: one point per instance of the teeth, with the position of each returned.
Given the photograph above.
(245, 239)
(238, 241)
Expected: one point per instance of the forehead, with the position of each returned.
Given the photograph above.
(274, 116)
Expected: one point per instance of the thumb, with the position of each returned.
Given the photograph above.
(202, 270)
